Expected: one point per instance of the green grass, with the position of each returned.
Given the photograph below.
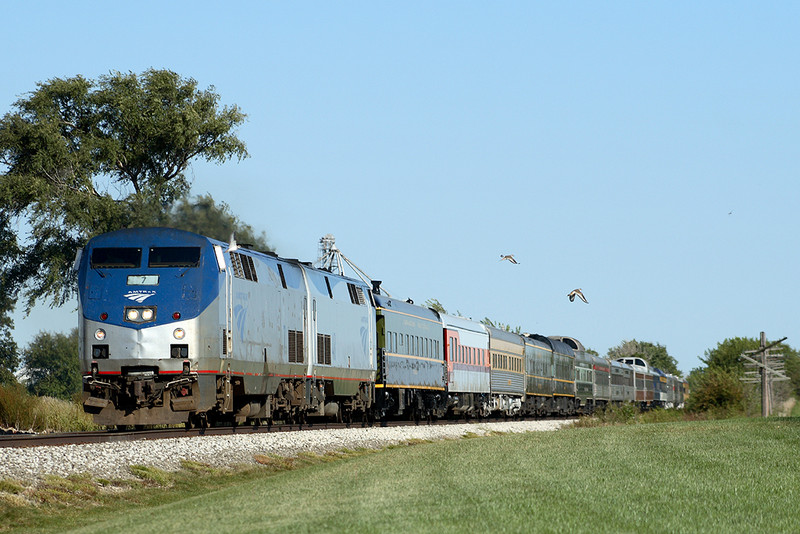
(707, 476)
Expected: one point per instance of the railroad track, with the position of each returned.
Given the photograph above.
(109, 436)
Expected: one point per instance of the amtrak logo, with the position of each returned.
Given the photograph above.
(139, 296)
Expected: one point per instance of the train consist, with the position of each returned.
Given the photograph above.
(179, 328)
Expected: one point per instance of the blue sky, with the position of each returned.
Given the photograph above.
(644, 152)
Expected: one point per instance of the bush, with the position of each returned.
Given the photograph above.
(718, 391)
(17, 407)
(22, 411)
(624, 414)
(629, 414)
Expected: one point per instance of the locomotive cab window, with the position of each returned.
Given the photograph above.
(116, 258)
(174, 257)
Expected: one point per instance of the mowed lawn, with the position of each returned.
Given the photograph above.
(720, 476)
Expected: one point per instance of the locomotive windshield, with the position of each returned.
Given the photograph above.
(174, 257)
(116, 258)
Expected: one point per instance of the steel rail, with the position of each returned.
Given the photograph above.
(22, 440)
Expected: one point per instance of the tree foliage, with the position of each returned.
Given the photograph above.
(710, 387)
(204, 216)
(655, 354)
(52, 364)
(435, 305)
(727, 354)
(81, 157)
(9, 361)
(501, 326)
(715, 389)
(793, 371)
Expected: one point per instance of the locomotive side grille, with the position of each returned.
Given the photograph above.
(249, 268)
(356, 295)
(236, 261)
(243, 267)
(324, 349)
(295, 346)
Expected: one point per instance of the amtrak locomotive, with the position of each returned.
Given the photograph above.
(176, 328)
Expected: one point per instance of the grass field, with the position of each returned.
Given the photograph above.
(738, 475)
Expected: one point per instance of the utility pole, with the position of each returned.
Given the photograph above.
(771, 368)
(766, 393)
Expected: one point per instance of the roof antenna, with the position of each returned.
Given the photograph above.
(232, 246)
(333, 260)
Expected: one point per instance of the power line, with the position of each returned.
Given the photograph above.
(770, 369)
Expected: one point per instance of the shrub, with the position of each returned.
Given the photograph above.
(718, 391)
(23, 411)
(17, 407)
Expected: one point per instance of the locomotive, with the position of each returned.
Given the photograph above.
(177, 328)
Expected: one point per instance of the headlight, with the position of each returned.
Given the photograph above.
(100, 334)
(179, 333)
(140, 315)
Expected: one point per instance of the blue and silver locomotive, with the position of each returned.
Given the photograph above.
(180, 328)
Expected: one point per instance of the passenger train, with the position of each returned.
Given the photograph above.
(177, 328)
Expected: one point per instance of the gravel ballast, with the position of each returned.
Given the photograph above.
(112, 460)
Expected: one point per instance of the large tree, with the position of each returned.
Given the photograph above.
(81, 157)
(9, 360)
(718, 384)
(205, 216)
(656, 355)
(52, 365)
(727, 354)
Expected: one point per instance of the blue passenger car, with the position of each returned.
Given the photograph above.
(411, 367)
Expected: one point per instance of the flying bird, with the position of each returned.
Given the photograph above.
(509, 257)
(576, 292)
